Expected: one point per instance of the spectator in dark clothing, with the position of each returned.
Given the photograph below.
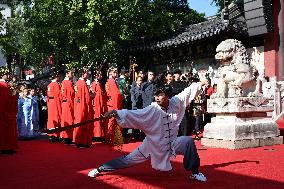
(198, 112)
(137, 103)
(178, 86)
(169, 78)
(42, 109)
(208, 91)
(148, 89)
(142, 75)
(136, 95)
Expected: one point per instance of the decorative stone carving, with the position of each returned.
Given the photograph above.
(268, 89)
(279, 98)
(239, 105)
(237, 77)
(243, 116)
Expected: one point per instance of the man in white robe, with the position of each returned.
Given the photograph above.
(160, 122)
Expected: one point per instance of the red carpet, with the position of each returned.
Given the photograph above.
(39, 164)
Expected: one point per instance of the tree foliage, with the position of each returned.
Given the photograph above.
(86, 31)
(221, 3)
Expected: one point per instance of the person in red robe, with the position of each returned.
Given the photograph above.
(54, 99)
(280, 122)
(67, 116)
(8, 112)
(99, 106)
(82, 112)
(114, 102)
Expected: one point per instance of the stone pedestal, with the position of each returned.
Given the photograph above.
(240, 123)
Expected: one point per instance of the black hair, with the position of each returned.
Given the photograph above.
(160, 79)
(178, 71)
(150, 71)
(194, 78)
(123, 70)
(168, 73)
(162, 88)
(54, 75)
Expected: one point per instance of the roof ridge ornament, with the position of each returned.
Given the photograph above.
(225, 13)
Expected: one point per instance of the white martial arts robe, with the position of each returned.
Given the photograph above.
(160, 126)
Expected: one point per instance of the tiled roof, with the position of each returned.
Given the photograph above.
(196, 32)
(202, 30)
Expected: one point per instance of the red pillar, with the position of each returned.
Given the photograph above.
(271, 46)
(270, 55)
(281, 40)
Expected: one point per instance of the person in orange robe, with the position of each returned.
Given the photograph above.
(99, 106)
(8, 112)
(54, 99)
(68, 95)
(114, 102)
(82, 112)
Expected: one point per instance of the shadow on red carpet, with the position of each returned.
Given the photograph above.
(39, 164)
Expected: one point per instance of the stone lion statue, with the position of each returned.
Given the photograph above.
(237, 77)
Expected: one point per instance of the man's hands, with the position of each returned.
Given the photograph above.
(110, 114)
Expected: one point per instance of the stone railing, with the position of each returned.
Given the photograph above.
(274, 90)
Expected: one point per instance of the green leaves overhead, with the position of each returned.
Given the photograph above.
(220, 3)
(85, 31)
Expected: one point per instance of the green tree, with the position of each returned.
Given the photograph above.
(88, 31)
(12, 39)
(221, 3)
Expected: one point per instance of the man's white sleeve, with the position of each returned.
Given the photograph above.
(136, 119)
(188, 94)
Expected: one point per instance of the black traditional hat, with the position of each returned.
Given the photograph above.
(54, 73)
(85, 68)
(112, 68)
(68, 67)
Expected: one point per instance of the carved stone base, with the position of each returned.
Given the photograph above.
(240, 144)
(241, 122)
(239, 105)
(241, 129)
(235, 132)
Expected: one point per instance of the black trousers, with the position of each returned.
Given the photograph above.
(184, 146)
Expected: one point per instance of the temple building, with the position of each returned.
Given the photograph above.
(257, 23)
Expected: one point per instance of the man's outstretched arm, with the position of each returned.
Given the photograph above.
(189, 93)
(136, 119)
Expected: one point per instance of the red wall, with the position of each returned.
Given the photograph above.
(271, 55)
(271, 46)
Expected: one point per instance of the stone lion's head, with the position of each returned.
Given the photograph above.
(231, 51)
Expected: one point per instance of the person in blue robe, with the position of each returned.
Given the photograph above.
(25, 129)
(34, 111)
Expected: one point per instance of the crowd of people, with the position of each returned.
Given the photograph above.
(31, 116)
(67, 103)
(160, 121)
